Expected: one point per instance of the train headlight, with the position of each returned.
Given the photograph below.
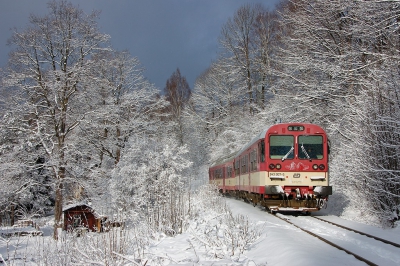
(321, 167)
(271, 166)
(278, 166)
(315, 167)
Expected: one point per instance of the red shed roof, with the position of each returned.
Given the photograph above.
(82, 204)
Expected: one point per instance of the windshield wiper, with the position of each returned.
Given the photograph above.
(305, 152)
(287, 154)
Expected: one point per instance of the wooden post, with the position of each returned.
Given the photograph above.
(12, 214)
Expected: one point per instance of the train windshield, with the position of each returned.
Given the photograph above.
(281, 147)
(310, 147)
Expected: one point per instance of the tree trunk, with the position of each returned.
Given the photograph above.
(58, 205)
(118, 151)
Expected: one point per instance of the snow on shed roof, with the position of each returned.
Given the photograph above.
(76, 204)
(84, 204)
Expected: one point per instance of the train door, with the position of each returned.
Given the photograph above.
(245, 173)
(237, 173)
(241, 174)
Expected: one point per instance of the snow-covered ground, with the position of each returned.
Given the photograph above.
(264, 239)
(282, 244)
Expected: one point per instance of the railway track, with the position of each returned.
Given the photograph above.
(361, 233)
(394, 249)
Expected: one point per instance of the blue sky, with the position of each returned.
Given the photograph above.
(162, 34)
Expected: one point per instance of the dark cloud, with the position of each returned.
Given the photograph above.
(162, 34)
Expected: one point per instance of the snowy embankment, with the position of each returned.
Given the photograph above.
(237, 234)
(280, 243)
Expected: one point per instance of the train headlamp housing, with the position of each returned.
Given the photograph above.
(272, 166)
(320, 167)
(278, 166)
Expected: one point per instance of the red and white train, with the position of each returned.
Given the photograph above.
(284, 168)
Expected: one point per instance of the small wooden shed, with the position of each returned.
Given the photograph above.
(81, 215)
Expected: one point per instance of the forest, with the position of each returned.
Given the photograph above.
(80, 122)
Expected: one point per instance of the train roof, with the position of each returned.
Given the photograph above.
(259, 136)
(262, 134)
(233, 155)
(224, 159)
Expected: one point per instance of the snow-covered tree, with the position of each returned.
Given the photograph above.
(148, 182)
(330, 62)
(126, 106)
(122, 97)
(336, 69)
(237, 37)
(266, 41)
(51, 65)
(218, 106)
(177, 92)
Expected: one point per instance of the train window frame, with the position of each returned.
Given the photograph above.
(309, 150)
(286, 153)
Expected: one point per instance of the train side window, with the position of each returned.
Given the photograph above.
(243, 170)
(218, 173)
(229, 171)
(281, 146)
(262, 151)
(237, 167)
(245, 164)
(253, 160)
(310, 147)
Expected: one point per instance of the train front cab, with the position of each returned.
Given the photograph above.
(296, 164)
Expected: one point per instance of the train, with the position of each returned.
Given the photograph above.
(284, 168)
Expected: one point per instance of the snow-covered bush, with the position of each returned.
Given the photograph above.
(225, 236)
(216, 229)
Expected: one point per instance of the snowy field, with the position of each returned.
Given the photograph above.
(260, 239)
